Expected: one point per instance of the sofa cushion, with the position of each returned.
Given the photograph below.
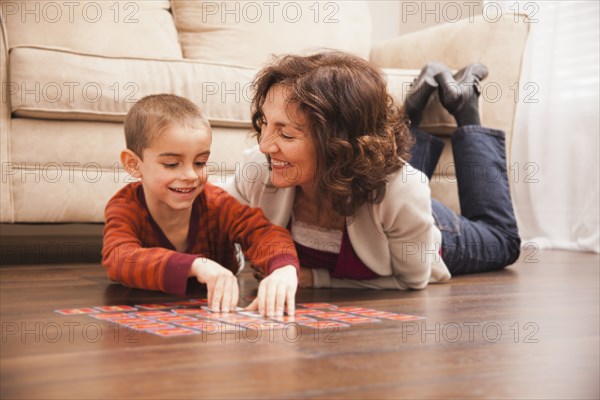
(249, 32)
(80, 196)
(110, 28)
(33, 145)
(87, 87)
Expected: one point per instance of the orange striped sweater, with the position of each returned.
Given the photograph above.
(138, 254)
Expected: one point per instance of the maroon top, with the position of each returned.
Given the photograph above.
(345, 265)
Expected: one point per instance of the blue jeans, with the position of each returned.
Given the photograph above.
(485, 236)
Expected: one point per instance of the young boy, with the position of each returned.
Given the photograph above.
(173, 224)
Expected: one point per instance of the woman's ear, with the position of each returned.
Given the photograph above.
(131, 163)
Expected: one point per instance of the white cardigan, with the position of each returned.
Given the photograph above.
(396, 238)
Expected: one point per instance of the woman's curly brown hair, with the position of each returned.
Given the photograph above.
(361, 136)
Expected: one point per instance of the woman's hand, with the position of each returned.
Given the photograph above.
(275, 292)
(222, 286)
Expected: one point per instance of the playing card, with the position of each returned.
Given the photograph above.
(252, 314)
(154, 325)
(221, 316)
(133, 322)
(212, 326)
(355, 310)
(318, 305)
(308, 311)
(153, 314)
(142, 326)
(176, 331)
(115, 308)
(152, 306)
(357, 320)
(334, 315)
(190, 302)
(207, 308)
(293, 319)
(263, 325)
(235, 318)
(175, 318)
(330, 325)
(197, 324)
(190, 311)
(76, 311)
(112, 316)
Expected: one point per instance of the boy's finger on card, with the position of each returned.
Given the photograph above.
(291, 302)
(227, 295)
(261, 299)
(217, 295)
(209, 296)
(271, 297)
(280, 300)
(236, 296)
(232, 299)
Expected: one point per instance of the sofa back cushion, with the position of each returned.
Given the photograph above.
(247, 33)
(107, 28)
(101, 88)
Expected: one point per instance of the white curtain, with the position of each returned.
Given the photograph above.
(555, 167)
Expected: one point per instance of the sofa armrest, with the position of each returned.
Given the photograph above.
(499, 44)
(6, 203)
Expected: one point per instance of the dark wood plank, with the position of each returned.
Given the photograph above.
(529, 331)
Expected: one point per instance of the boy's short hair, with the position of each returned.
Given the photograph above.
(152, 114)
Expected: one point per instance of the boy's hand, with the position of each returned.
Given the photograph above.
(222, 286)
(275, 291)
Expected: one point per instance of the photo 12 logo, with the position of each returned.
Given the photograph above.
(53, 12)
(65, 332)
(471, 332)
(252, 12)
(454, 11)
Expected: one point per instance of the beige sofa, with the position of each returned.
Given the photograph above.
(71, 70)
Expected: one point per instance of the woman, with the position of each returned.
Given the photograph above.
(359, 214)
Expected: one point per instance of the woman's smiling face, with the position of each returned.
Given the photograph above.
(286, 139)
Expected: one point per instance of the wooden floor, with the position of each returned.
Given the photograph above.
(531, 331)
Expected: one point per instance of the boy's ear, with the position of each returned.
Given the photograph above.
(131, 163)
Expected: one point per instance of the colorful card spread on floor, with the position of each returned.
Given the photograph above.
(193, 316)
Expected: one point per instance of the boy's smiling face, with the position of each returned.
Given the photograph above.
(173, 168)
